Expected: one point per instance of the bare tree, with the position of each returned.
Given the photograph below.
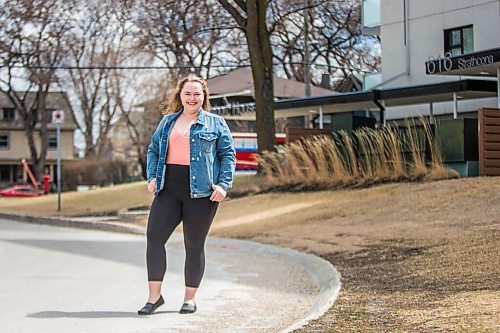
(141, 117)
(187, 36)
(337, 45)
(251, 17)
(98, 46)
(31, 47)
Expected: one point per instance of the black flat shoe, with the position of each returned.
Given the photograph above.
(188, 308)
(149, 308)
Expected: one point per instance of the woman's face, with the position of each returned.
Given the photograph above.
(192, 97)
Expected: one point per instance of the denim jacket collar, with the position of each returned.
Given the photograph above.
(201, 116)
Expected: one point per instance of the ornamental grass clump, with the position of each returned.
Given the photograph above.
(366, 156)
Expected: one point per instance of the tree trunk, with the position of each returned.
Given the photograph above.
(261, 58)
(39, 162)
(143, 161)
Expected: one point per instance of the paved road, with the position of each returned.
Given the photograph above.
(56, 279)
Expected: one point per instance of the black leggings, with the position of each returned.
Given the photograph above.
(169, 207)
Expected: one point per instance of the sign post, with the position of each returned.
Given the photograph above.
(58, 119)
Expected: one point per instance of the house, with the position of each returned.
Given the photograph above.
(232, 96)
(14, 143)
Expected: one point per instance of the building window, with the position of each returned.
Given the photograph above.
(6, 173)
(52, 140)
(8, 114)
(459, 41)
(4, 141)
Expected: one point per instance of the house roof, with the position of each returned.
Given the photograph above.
(240, 82)
(56, 100)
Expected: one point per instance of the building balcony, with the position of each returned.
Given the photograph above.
(370, 17)
(372, 80)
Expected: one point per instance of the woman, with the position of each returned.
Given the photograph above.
(190, 167)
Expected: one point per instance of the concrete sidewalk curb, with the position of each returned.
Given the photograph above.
(62, 221)
(324, 274)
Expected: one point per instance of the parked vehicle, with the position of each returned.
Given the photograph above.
(20, 191)
(246, 149)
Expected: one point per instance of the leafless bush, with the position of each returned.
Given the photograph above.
(367, 156)
(93, 172)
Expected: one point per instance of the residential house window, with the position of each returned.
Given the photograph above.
(8, 114)
(6, 173)
(52, 140)
(4, 141)
(459, 41)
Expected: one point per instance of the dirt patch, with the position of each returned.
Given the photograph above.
(415, 257)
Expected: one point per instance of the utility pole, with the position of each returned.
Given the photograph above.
(307, 56)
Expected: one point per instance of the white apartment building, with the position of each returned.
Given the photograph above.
(413, 33)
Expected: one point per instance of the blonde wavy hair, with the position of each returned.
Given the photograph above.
(174, 103)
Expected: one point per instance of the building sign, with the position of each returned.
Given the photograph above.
(447, 63)
(233, 109)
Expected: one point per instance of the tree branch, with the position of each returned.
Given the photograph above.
(240, 20)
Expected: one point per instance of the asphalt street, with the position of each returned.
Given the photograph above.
(55, 279)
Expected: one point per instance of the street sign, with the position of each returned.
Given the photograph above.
(57, 117)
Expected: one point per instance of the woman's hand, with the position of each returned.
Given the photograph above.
(219, 193)
(152, 186)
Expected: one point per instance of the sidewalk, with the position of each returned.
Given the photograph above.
(278, 279)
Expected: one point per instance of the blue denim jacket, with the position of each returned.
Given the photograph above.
(212, 154)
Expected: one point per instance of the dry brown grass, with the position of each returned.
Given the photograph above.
(366, 157)
(104, 200)
(414, 257)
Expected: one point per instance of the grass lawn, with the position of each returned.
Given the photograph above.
(116, 198)
(414, 257)
(101, 201)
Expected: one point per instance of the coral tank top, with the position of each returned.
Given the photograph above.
(178, 148)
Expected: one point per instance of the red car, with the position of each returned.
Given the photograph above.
(246, 149)
(19, 191)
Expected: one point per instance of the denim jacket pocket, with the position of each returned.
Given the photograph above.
(207, 141)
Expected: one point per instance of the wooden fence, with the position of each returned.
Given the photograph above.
(489, 142)
(294, 134)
